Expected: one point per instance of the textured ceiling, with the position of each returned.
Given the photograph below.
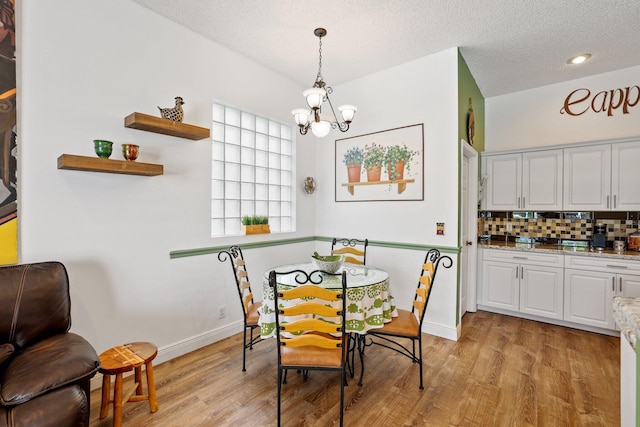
(509, 45)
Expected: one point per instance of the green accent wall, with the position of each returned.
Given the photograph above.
(467, 88)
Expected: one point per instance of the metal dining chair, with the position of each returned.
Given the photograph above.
(310, 327)
(355, 250)
(408, 324)
(249, 306)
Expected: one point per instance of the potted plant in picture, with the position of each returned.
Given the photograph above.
(255, 224)
(397, 158)
(373, 159)
(353, 160)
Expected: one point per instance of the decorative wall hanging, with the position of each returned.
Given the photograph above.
(381, 166)
(471, 124)
(8, 137)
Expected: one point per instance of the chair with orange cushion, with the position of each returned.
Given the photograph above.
(355, 250)
(310, 327)
(249, 307)
(408, 324)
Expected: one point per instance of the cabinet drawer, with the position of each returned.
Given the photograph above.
(609, 265)
(523, 257)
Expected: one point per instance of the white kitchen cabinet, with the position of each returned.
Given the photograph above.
(588, 296)
(625, 176)
(590, 285)
(523, 281)
(587, 178)
(602, 177)
(524, 181)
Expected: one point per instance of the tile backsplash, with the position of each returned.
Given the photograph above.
(557, 228)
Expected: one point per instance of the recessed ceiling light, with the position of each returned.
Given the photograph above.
(579, 59)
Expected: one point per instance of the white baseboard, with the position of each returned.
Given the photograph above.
(185, 346)
(440, 331)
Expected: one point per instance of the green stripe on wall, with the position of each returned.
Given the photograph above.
(183, 253)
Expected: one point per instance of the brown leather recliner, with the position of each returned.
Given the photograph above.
(45, 370)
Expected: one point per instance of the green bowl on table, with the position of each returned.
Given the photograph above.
(328, 263)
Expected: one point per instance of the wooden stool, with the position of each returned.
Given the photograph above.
(124, 358)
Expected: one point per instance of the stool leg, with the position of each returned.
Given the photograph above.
(117, 402)
(138, 378)
(106, 394)
(151, 386)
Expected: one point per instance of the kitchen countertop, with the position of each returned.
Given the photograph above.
(563, 250)
(626, 312)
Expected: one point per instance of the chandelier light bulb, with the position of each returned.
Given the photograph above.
(315, 96)
(347, 111)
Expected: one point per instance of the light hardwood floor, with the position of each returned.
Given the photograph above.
(504, 371)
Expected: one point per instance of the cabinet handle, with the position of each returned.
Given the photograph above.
(520, 257)
(523, 203)
(615, 201)
(518, 202)
(613, 284)
(522, 272)
(607, 202)
(620, 286)
(616, 266)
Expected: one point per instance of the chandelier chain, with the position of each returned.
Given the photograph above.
(319, 76)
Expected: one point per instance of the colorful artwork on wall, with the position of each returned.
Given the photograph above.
(384, 165)
(8, 137)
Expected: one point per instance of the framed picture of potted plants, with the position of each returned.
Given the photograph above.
(381, 166)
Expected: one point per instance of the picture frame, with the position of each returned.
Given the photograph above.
(381, 166)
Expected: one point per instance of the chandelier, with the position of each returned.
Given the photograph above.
(320, 123)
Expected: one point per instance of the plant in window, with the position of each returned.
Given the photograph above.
(397, 158)
(353, 159)
(372, 161)
(255, 224)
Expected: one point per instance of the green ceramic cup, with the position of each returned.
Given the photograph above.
(103, 148)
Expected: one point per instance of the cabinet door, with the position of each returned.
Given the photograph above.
(588, 296)
(587, 178)
(542, 180)
(503, 187)
(541, 291)
(628, 286)
(500, 285)
(625, 176)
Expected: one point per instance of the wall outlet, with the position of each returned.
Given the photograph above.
(222, 312)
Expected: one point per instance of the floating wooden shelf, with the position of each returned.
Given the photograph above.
(164, 126)
(96, 164)
(402, 184)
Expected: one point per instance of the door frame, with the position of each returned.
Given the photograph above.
(471, 219)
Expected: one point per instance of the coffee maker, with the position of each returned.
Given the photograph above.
(599, 236)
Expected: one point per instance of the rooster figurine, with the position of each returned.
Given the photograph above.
(174, 113)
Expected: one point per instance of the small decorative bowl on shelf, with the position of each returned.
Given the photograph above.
(103, 148)
(329, 263)
(130, 151)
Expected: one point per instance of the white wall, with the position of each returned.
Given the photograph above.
(532, 118)
(420, 91)
(83, 67)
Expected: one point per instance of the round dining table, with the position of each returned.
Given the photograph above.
(369, 302)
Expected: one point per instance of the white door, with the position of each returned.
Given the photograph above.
(503, 188)
(541, 291)
(587, 178)
(628, 286)
(588, 296)
(542, 180)
(464, 238)
(468, 230)
(501, 285)
(625, 175)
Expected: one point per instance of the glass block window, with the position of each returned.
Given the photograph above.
(252, 171)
